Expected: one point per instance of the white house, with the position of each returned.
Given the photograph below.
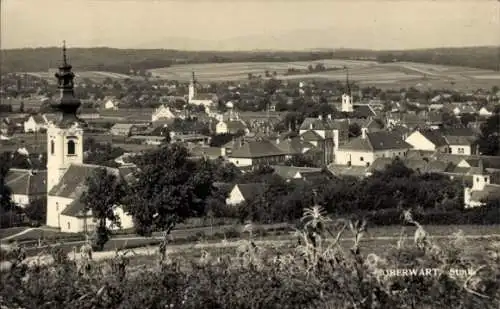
(362, 151)
(26, 185)
(256, 152)
(487, 111)
(243, 192)
(110, 103)
(162, 113)
(481, 189)
(429, 140)
(35, 123)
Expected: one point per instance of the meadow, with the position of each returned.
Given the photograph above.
(96, 76)
(325, 267)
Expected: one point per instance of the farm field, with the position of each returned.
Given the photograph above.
(96, 76)
(387, 75)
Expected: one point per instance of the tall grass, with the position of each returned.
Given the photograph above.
(315, 272)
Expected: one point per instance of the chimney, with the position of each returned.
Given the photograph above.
(329, 116)
(363, 132)
(223, 151)
(320, 117)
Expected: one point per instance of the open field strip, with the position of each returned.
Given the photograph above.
(380, 244)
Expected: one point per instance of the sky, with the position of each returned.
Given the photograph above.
(246, 25)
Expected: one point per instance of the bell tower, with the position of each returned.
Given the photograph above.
(192, 89)
(347, 104)
(65, 134)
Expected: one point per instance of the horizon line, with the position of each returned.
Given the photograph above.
(307, 49)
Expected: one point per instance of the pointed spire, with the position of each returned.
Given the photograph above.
(347, 84)
(65, 57)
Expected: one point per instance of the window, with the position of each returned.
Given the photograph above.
(69, 226)
(57, 206)
(486, 179)
(71, 148)
(477, 179)
(52, 147)
(361, 159)
(461, 150)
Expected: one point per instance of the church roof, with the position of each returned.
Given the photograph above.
(73, 184)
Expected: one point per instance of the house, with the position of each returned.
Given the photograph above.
(241, 193)
(256, 152)
(35, 123)
(461, 141)
(212, 153)
(122, 129)
(363, 150)
(26, 185)
(206, 100)
(482, 188)
(304, 173)
(164, 113)
(293, 146)
(326, 134)
(110, 103)
(428, 140)
(488, 110)
(66, 211)
(231, 127)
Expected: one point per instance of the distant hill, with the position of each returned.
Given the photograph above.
(123, 60)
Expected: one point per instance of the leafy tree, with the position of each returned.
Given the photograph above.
(169, 188)
(36, 211)
(5, 192)
(489, 143)
(105, 191)
(354, 130)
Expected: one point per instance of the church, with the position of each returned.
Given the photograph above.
(66, 172)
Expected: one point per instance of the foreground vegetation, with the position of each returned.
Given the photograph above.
(314, 273)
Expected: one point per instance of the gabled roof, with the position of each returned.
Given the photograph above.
(435, 137)
(288, 172)
(364, 111)
(489, 191)
(256, 149)
(294, 145)
(460, 140)
(26, 182)
(311, 136)
(322, 124)
(466, 132)
(376, 141)
(250, 190)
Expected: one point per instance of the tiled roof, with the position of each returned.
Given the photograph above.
(72, 184)
(25, 182)
(323, 124)
(294, 145)
(466, 132)
(251, 190)
(354, 171)
(435, 137)
(311, 136)
(256, 149)
(489, 191)
(422, 166)
(489, 162)
(460, 140)
(288, 172)
(364, 111)
(376, 141)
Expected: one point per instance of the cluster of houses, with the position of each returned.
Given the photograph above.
(418, 139)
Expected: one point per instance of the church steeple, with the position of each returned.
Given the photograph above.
(68, 104)
(347, 84)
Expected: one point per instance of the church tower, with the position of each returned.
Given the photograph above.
(192, 89)
(65, 134)
(347, 104)
(481, 178)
